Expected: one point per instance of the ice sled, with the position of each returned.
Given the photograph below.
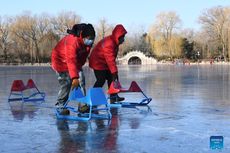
(95, 99)
(116, 87)
(25, 93)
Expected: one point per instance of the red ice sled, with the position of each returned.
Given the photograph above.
(18, 92)
(116, 87)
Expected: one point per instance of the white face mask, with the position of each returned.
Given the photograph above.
(88, 42)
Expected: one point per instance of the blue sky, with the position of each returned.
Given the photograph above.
(134, 14)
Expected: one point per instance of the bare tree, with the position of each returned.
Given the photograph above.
(227, 30)
(215, 23)
(162, 32)
(188, 33)
(103, 29)
(64, 21)
(166, 23)
(28, 32)
(30, 38)
(44, 34)
(4, 36)
(20, 34)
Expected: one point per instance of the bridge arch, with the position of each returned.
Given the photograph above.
(136, 57)
(134, 61)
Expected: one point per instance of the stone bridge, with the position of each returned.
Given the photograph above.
(136, 57)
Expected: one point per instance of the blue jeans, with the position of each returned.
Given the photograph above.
(65, 86)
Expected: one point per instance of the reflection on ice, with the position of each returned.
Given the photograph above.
(190, 104)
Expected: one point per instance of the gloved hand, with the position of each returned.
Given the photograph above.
(115, 76)
(75, 83)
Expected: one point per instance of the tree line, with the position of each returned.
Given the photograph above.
(28, 38)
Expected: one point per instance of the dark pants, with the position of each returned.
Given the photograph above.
(102, 76)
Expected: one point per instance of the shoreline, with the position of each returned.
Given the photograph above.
(157, 63)
(25, 64)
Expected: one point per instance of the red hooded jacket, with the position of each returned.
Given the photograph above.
(103, 56)
(69, 55)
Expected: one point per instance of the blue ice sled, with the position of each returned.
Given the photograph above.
(95, 99)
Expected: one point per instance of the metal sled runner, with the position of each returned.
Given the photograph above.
(25, 93)
(95, 99)
(116, 87)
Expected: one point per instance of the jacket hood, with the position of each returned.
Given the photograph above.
(118, 31)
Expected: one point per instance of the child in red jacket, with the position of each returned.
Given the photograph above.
(103, 59)
(68, 57)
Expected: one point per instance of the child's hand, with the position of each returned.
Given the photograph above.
(75, 83)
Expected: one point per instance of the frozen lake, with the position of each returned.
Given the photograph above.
(190, 104)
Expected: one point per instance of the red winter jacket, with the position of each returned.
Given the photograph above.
(69, 55)
(103, 56)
